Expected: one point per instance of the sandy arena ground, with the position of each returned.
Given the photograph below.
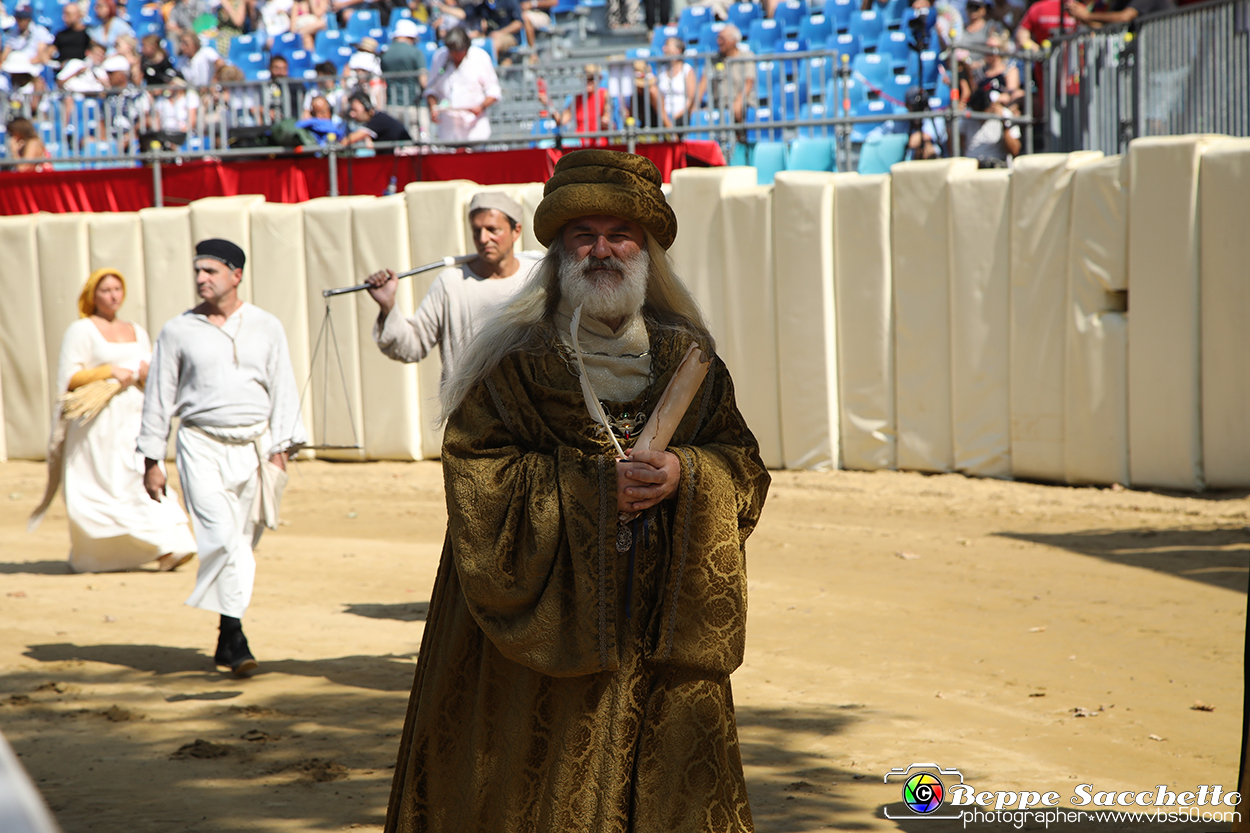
(1033, 637)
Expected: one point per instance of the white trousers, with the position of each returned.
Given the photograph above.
(219, 483)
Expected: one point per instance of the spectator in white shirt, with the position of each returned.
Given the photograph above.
(28, 37)
(200, 62)
(463, 85)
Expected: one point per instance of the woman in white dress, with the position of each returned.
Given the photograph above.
(677, 84)
(113, 524)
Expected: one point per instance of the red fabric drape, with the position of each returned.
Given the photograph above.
(296, 179)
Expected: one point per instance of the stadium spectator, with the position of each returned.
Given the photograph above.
(948, 22)
(998, 75)
(234, 18)
(177, 111)
(281, 93)
(462, 89)
(976, 26)
(125, 103)
(926, 138)
(275, 18)
(71, 42)
(1129, 13)
(731, 83)
(128, 48)
(26, 87)
(157, 69)
(499, 20)
(308, 17)
(198, 62)
(362, 73)
(403, 56)
(27, 37)
(111, 25)
(182, 15)
(677, 84)
(657, 12)
(445, 15)
(589, 112)
(84, 75)
(366, 56)
(376, 125)
(237, 104)
(536, 18)
(327, 87)
(1041, 21)
(992, 142)
(648, 104)
(321, 121)
(24, 143)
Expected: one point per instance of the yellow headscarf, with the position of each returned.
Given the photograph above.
(86, 300)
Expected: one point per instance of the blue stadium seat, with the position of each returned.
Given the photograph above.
(300, 64)
(769, 158)
(381, 36)
(638, 52)
(880, 152)
(253, 64)
(893, 13)
(707, 36)
(704, 118)
(787, 99)
(764, 36)
(844, 43)
(761, 116)
(487, 45)
(741, 15)
(816, 29)
(816, 110)
(872, 69)
(397, 15)
(924, 65)
(789, 14)
(793, 45)
(286, 43)
(840, 11)
(768, 76)
(811, 155)
(894, 90)
(867, 25)
(543, 127)
(932, 40)
(429, 48)
(690, 24)
(942, 96)
(339, 56)
(148, 21)
(859, 132)
(327, 42)
(661, 34)
(242, 45)
(360, 23)
(816, 72)
(893, 45)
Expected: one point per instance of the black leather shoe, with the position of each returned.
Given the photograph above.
(232, 651)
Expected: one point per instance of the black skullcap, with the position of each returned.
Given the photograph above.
(222, 250)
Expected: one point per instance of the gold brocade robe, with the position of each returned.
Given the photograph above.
(562, 685)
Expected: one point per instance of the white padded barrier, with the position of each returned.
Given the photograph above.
(529, 196)
(227, 218)
(747, 341)
(116, 241)
(24, 379)
(64, 265)
(280, 282)
(1041, 200)
(807, 372)
(699, 254)
(167, 264)
(1165, 329)
(980, 301)
(392, 413)
(335, 387)
(1224, 186)
(1095, 424)
(437, 228)
(922, 327)
(863, 271)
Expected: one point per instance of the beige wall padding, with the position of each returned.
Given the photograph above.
(1095, 424)
(1040, 220)
(330, 262)
(747, 341)
(1225, 184)
(865, 320)
(1164, 346)
(530, 196)
(392, 413)
(64, 265)
(922, 328)
(167, 259)
(980, 321)
(227, 218)
(699, 254)
(24, 379)
(437, 228)
(806, 329)
(280, 283)
(116, 241)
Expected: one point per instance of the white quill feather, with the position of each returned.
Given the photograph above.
(592, 401)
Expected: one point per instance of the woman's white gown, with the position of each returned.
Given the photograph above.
(113, 524)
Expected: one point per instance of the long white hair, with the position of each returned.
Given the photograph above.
(668, 306)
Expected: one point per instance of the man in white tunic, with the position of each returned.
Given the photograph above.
(461, 297)
(463, 85)
(223, 368)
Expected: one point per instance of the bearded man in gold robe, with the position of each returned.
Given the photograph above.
(589, 607)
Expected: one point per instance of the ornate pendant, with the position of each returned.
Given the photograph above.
(627, 426)
(624, 536)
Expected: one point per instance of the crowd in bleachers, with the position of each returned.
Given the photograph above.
(110, 78)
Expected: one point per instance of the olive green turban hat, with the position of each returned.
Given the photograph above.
(588, 182)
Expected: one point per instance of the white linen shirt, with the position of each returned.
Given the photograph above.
(222, 377)
(454, 307)
(457, 88)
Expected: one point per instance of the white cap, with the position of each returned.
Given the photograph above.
(116, 63)
(18, 63)
(405, 28)
(365, 61)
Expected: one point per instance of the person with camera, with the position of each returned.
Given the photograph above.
(993, 142)
(926, 138)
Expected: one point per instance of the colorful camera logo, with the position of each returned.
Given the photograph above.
(923, 790)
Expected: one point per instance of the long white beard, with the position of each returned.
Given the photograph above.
(602, 295)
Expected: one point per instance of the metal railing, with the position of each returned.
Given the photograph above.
(1184, 71)
(743, 100)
